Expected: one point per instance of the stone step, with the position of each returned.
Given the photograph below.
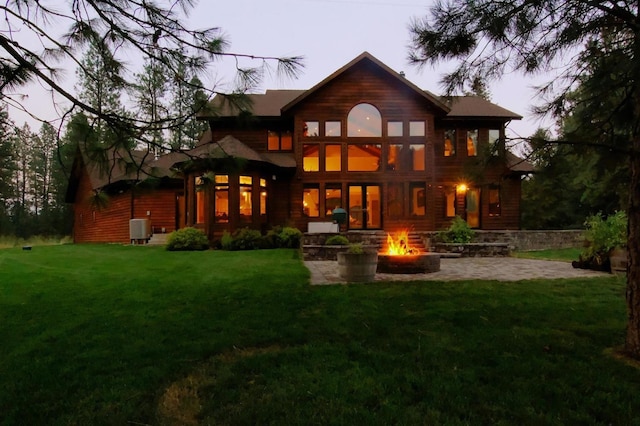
(158, 240)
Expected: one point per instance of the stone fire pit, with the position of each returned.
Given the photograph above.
(422, 263)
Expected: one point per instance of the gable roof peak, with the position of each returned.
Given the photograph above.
(435, 100)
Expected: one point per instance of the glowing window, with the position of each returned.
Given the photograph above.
(363, 158)
(263, 197)
(310, 201)
(246, 201)
(394, 156)
(449, 143)
(332, 199)
(200, 188)
(417, 157)
(364, 121)
(450, 202)
(280, 141)
(311, 157)
(472, 143)
(332, 158)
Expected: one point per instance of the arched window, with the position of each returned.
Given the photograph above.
(364, 121)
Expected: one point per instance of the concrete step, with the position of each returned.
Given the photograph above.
(158, 239)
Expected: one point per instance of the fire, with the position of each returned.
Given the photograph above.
(399, 246)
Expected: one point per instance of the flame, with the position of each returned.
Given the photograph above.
(399, 246)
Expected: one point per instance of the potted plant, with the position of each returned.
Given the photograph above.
(606, 243)
(357, 264)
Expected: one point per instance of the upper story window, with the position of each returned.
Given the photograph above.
(472, 143)
(449, 143)
(394, 129)
(311, 157)
(364, 121)
(332, 129)
(417, 128)
(311, 129)
(280, 141)
(494, 140)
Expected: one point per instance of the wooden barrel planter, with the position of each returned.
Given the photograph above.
(357, 267)
(618, 259)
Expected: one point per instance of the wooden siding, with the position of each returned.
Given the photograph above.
(111, 223)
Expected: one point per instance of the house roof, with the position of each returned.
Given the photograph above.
(273, 103)
(475, 106)
(230, 147)
(518, 165)
(366, 56)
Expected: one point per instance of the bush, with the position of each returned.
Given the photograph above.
(603, 235)
(289, 237)
(242, 239)
(187, 239)
(337, 240)
(459, 232)
(283, 237)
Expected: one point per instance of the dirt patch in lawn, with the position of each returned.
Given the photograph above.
(180, 404)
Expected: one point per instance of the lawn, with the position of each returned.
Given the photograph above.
(565, 255)
(98, 334)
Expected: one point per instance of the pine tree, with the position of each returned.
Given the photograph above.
(593, 43)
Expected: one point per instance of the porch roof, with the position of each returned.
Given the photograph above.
(230, 147)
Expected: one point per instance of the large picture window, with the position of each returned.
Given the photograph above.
(363, 157)
(364, 121)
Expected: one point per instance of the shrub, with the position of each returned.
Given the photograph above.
(336, 240)
(603, 235)
(242, 239)
(283, 237)
(356, 248)
(289, 237)
(459, 232)
(187, 239)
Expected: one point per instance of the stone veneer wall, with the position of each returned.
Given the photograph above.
(517, 240)
(528, 240)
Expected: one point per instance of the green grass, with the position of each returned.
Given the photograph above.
(11, 241)
(129, 335)
(565, 255)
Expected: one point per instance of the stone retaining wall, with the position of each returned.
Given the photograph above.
(474, 249)
(525, 240)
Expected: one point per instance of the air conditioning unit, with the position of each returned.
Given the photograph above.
(139, 229)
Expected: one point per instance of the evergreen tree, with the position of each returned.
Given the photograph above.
(7, 170)
(598, 41)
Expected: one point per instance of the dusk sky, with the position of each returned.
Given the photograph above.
(329, 34)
